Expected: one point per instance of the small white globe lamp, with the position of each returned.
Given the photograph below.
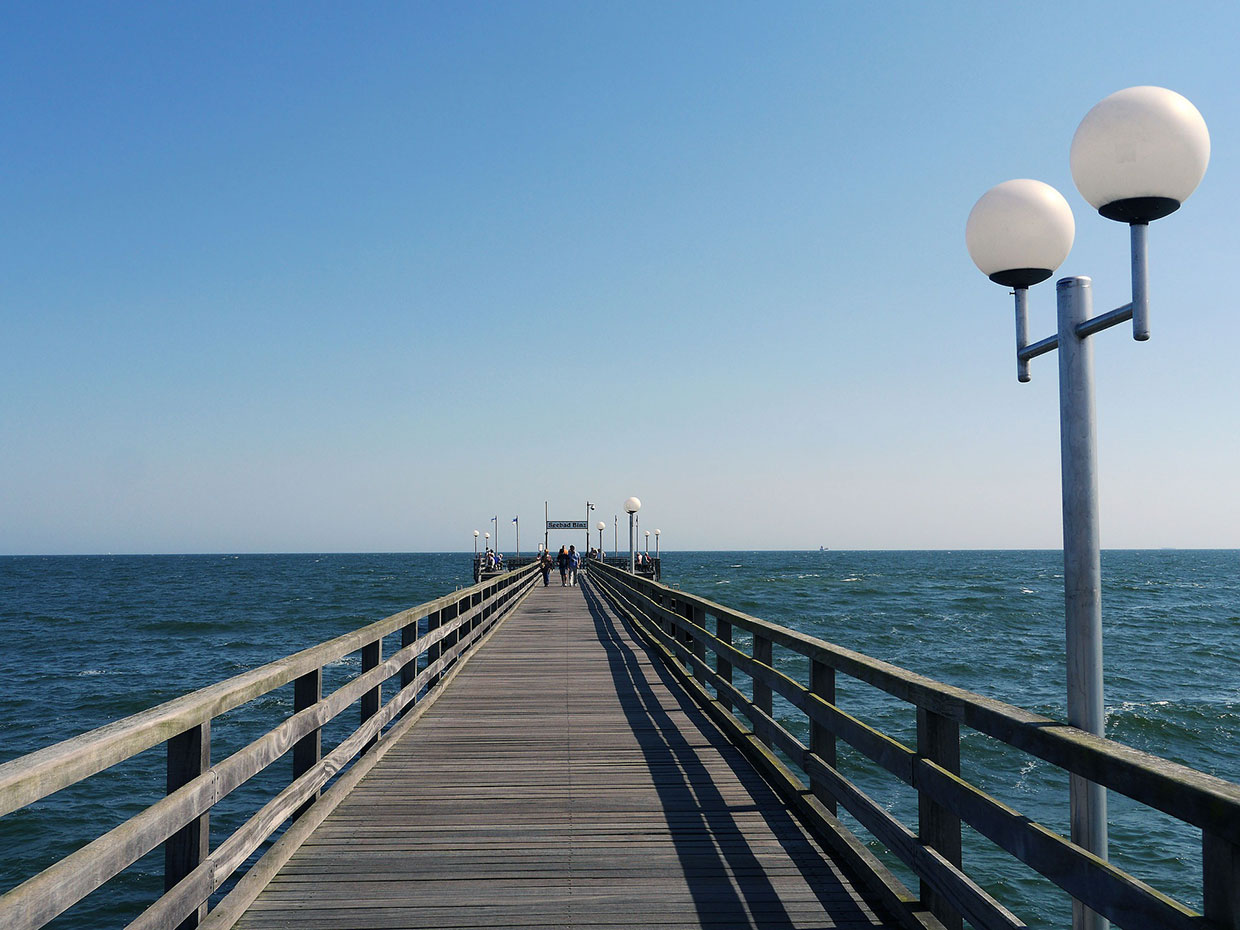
(631, 506)
(656, 542)
(475, 542)
(1139, 153)
(1019, 232)
(600, 526)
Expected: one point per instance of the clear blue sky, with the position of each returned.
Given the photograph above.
(321, 277)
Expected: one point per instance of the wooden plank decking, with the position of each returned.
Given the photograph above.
(561, 780)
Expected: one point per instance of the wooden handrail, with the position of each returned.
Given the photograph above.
(1194, 797)
(29, 778)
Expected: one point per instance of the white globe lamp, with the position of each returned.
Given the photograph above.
(631, 506)
(1019, 232)
(1139, 154)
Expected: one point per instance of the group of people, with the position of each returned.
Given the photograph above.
(493, 560)
(567, 560)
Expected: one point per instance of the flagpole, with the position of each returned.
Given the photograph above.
(517, 521)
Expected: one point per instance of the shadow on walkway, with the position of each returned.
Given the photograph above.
(727, 880)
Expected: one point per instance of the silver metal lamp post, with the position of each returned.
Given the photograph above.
(601, 526)
(631, 506)
(475, 544)
(589, 507)
(656, 542)
(647, 543)
(1136, 157)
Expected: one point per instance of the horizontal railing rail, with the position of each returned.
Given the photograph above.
(435, 636)
(676, 622)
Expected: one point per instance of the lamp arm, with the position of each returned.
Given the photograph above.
(1024, 349)
(1140, 282)
(1022, 333)
(1138, 310)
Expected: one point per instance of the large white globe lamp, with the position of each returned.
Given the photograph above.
(1139, 153)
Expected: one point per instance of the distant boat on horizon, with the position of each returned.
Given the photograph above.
(822, 549)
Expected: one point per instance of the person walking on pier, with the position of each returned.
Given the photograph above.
(573, 561)
(562, 560)
(544, 564)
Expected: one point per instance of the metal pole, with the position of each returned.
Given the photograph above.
(1022, 333)
(615, 534)
(1082, 576)
(517, 521)
(1140, 282)
(632, 553)
(546, 533)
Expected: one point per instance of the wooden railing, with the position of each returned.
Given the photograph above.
(435, 637)
(686, 628)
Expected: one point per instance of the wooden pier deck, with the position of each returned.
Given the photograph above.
(563, 779)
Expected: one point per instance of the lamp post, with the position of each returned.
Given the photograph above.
(475, 544)
(495, 520)
(631, 506)
(647, 543)
(1136, 156)
(656, 542)
(589, 507)
(615, 534)
(601, 526)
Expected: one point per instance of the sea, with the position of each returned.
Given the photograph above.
(90, 639)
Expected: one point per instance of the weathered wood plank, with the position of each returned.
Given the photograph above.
(564, 779)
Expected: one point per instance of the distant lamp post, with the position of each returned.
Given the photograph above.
(475, 543)
(631, 506)
(601, 526)
(1137, 155)
(656, 542)
(495, 520)
(589, 507)
(487, 537)
(647, 543)
(615, 534)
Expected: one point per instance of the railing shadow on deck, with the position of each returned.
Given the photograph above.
(686, 628)
(435, 639)
(687, 791)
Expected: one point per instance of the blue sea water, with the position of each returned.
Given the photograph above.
(88, 640)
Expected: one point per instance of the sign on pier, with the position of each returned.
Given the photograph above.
(566, 524)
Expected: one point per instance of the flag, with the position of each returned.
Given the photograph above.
(514, 519)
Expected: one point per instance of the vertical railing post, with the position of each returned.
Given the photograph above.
(409, 671)
(697, 616)
(433, 622)
(307, 690)
(189, 755)
(938, 739)
(762, 692)
(822, 740)
(1220, 881)
(723, 633)
(372, 653)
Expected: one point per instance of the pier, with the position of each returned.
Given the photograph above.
(615, 754)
